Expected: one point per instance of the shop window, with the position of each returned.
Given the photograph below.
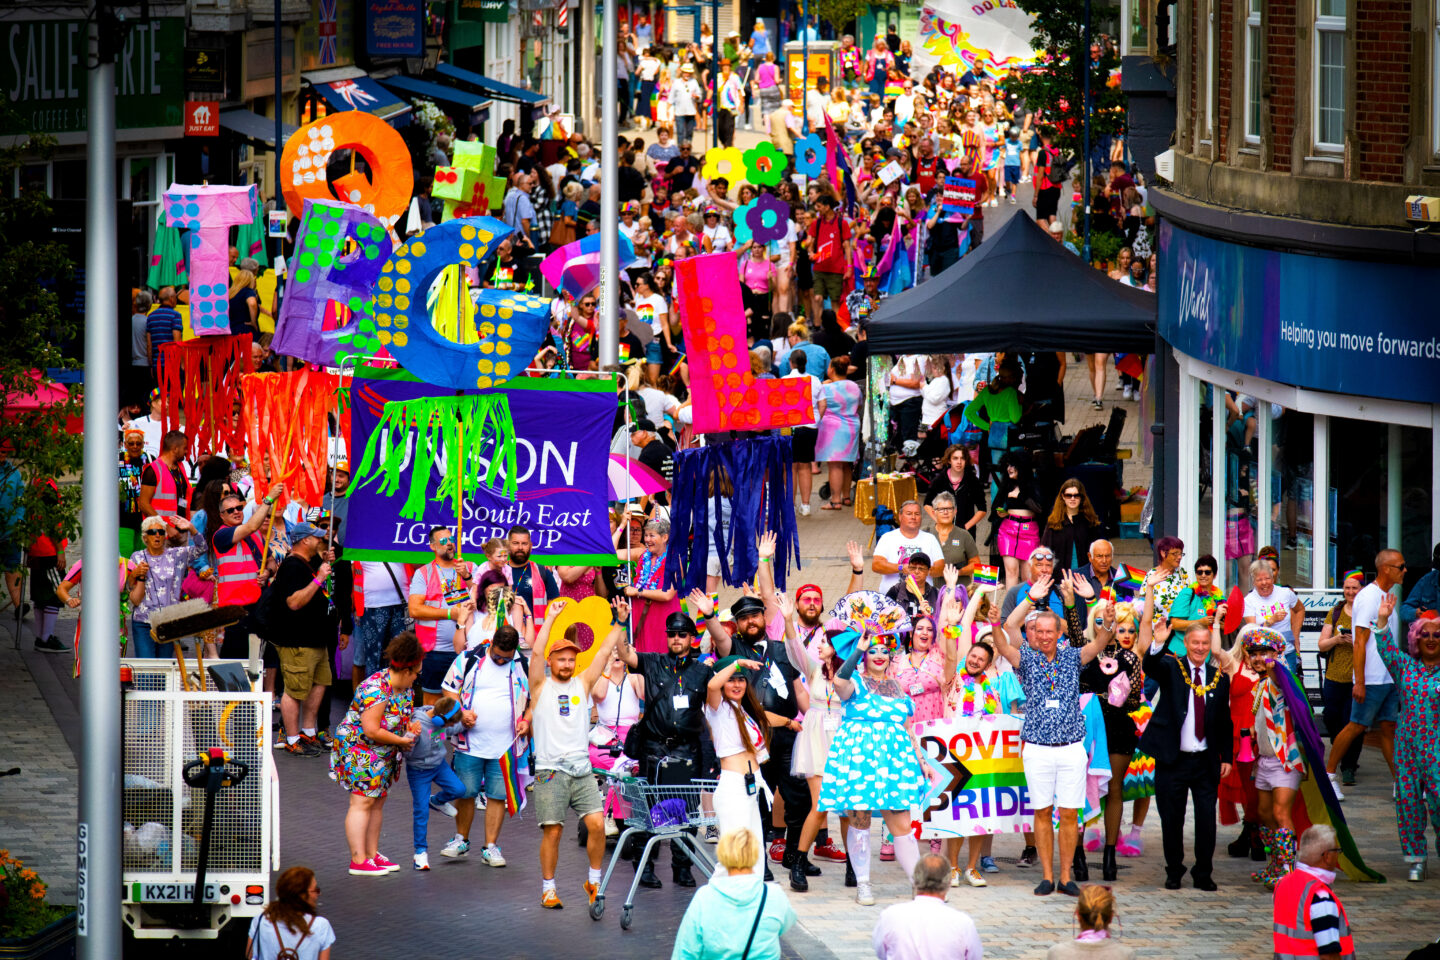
(67, 180)
(1358, 498)
(1205, 542)
(1135, 38)
(1416, 507)
(1241, 452)
(1291, 472)
(1254, 51)
(1329, 88)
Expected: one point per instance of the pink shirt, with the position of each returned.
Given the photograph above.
(756, 274)
(923, 683)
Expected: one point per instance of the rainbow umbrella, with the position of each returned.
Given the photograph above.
(574, 269)
(631, 478)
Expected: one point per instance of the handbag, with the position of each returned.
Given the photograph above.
(562, 231)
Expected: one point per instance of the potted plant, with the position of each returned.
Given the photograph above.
(30, 928)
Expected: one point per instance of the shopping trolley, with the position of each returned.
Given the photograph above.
(669, 812)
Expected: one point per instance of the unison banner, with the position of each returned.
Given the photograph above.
(985, 791)
(562, 443)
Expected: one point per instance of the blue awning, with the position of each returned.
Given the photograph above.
(363, 93)
(409, 86)
(254, 127)
(496, 89)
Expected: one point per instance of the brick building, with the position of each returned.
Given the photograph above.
(1295, 297)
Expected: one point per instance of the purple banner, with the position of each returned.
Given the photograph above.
(561, 464)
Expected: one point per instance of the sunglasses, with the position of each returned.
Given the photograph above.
(676, 633)
(232, 509)
(445, 540)
(1044, 556)
(587, 303)
(1202, 572)
(154, 533)
(1071, 496)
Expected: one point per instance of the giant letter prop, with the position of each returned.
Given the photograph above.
(206, 214)
(320, 272)
(385, 193)
(512, 325)
(726, 396)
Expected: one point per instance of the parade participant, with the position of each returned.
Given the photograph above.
(133, 461)
(875, 762)
(1167, 577)
(1376, 702)
(740, 729)
(1196, 603)
(1016, 512)
(438, 598)
(1101, 573)
(560, 716)
(1071, 526)
(366, 757)
(667, 738)
(925, 671)
(425, 765)
(1054, 729)
(1190, 738)
(382, 611)
(304, 621)
(1309, 920)
(1271, 605)
(1416, 757)
(736, 914)
(960, 480)
(1336, 645)
(492, 686)
(913, 592)
(235, 546)
(894, 549)
(619, 698)
(1238, 789)
(1041, 566)
(531, 582)
(164, 488)
(655, 600)
(1116, 678)
(960, 549)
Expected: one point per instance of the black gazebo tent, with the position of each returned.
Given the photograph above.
(1021, 290)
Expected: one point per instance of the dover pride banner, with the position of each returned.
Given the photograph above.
(985, 791)
(562, 430)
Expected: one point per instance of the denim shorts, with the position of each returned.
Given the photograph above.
(479, 774)
(1382, 705)
(433, 669)
(654, 350)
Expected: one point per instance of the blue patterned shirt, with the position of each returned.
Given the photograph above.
(1052, 696)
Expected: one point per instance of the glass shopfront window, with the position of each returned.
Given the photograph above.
(1380, 483)
(1291, 472)
(1241, 452)
(1205, 541)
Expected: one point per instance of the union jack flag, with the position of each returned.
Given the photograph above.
(327, 30)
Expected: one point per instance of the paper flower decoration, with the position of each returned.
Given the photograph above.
(810, 155)
(742, 222)
(727, 162)
(765, 219)
(765, 164)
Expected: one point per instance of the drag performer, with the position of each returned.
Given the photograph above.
(1417, 750)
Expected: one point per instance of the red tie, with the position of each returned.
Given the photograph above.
(1199, 704)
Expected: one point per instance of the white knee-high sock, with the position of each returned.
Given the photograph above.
(859, 853)
(907, 852)
(45, 619)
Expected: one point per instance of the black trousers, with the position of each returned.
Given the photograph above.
(1193, 776)
(906, 415)
(794, 790)
(725, 127)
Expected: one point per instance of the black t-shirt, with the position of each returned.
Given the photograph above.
(630, 183)
(657, 456)
(313, 625)
(240, 311)
(910, 603)
(681, 172)
(665, 678)
(772, 654)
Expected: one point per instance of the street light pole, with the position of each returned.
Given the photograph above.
(279, 139)
(1085, 59)
(805, 67)
(98, 865)
(609, 189)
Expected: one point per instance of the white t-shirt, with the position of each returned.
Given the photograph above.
(1280, 599)
(719, 237)
(628, 231)
(379, 588)
(814, 390)
(910, 367)
(897, 548)
(650, 309)
(1363, 613)
(320, 938)
(936, 394)
(487, 692)
(656, 403)
(450, 583)
(815, 104)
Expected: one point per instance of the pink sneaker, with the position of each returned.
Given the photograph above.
(384, 862)
(367, 869)
(887, 851)
(1094, 840)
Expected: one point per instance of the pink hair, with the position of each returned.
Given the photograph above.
(1412, 637)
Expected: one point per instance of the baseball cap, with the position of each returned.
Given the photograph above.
(302, 530)
(561, 643)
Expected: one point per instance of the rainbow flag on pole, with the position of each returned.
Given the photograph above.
(514, 789)
(1128, 578)
(986, 576)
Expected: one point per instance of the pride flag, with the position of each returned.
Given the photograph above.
(986, 576)
(1128, 577)
(514, 789)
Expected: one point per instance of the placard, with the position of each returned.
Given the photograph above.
(958, 197)
(891, 172)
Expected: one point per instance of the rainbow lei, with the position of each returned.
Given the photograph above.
(989, 702)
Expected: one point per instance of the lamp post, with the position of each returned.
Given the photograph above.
(1085, 59)
(804, 66)
(609, 189)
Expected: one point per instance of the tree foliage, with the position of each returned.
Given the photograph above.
(1057, 88)
(31, 273)
(838, 12)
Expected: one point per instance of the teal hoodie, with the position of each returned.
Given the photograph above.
(717, 923)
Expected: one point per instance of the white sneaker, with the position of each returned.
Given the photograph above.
(1335, 785)
(422, 861)
(480, 801)
(804, 509)
(864, 895)
(612, 829)
(493, 856)
(954, 877)
(457, 847)
(973, 878)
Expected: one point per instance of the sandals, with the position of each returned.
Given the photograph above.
(848, 502)
(831, 506)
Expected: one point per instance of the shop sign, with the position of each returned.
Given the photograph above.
(485, 11)
(42, 74)
(1321, 323)
(205, 71)
(395, 28)
(202, 118)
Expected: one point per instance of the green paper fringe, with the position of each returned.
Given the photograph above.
(440, 422)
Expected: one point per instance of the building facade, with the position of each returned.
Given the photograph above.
(1294, 293)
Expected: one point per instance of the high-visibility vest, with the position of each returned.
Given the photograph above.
(1293, 936)
(166, 498)
(236, 570)
(425, 630)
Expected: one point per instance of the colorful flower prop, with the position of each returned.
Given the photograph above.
(765, 164)
(742, 222)
(810, 155)
(726, 162)
(766, 219)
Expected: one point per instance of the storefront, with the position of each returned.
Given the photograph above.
(1309, 406)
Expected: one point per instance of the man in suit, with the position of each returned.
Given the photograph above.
(1189, 737)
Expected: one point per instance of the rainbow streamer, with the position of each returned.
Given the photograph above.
(986, 576)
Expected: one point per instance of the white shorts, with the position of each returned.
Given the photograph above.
(712, 566)
(1270, 775)
(1055, 775)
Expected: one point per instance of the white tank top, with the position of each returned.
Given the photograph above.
(619, 708)
(725, 723)
(562, 726)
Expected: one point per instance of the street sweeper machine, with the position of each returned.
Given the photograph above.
(201, 798)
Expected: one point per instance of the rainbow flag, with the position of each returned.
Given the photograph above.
(986, 576)
(679, 362)
(1317, 795)
(1129, 577)
(624, 352)
(514, 788)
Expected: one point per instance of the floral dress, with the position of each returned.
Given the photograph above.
(872, 763)
(360, 765)
(1167, 590)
